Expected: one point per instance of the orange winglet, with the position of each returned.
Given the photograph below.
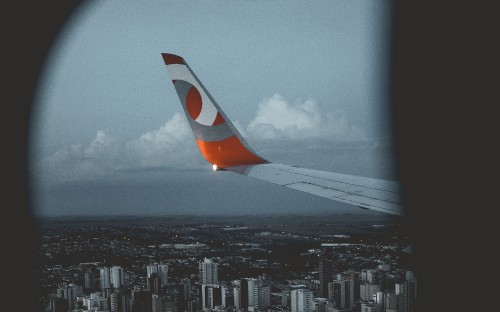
(228, 152)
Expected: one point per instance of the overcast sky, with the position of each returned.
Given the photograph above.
(305, 82)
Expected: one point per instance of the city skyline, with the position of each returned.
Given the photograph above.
(234, 265)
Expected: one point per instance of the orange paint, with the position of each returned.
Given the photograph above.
(227, 153)
(172, 59)
(193, 102)
(218, 120)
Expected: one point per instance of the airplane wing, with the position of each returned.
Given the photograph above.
(223, 146)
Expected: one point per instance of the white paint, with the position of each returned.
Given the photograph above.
(208, 111)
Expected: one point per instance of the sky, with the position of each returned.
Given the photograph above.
(306, 83)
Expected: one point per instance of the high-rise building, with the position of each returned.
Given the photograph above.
(252, 297)
(208, 272)
(163, 273)
(408, 293)
(141, 300)
(154, 283)
(117, 276)
(118, 302)
(285, 297)
(88, 280)
(341, 293)
(390, 301)
(367, 291)
(263, 297)
(184, 290)
(253, 294)
(191, 306)
(211, 296)
(160, 269)
(325, 272)
(104, 276)
(243, 294)
(379, 300)
(371, 276)
(237, 294)
(301, 300)
(69, 292)
(227, 295)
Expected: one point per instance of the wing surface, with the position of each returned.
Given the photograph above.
(369, 193)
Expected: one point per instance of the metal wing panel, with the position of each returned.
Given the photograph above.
(376, 194)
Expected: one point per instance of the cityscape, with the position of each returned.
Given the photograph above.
(233, 263)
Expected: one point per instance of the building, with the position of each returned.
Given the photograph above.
(341, 293)
(367, 291)
(154, 283)
(371, 276)
(95, 301)
(325, 272)
(117, 276)
(368, 307)
(301, 300)
(159, 303)
(252, 294)
(70, 292)
(408, 293)
(185, 295)
(104, 276)
(263, 300)
(322, 305)
(118, 302)
(212, 296)
(89, 280)
(208, 272)
(390, 301)
(141, 301)
(160, 269)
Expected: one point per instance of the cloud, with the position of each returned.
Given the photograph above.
(277, 123)
(278, 118)
(169, 146)
(80, 163)
(102, 147)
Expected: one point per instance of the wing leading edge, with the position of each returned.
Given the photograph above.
(224, 147)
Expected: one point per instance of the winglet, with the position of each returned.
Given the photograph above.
(217, 138)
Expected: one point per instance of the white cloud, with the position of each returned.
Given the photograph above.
(278, 118)
(102, 146)
(171, 145)
(81, 163)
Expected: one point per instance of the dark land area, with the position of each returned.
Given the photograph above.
(287, 249)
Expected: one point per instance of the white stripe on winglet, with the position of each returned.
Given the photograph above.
(208, 111)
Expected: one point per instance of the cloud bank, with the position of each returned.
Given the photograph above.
(172, 145)
(278, 118)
